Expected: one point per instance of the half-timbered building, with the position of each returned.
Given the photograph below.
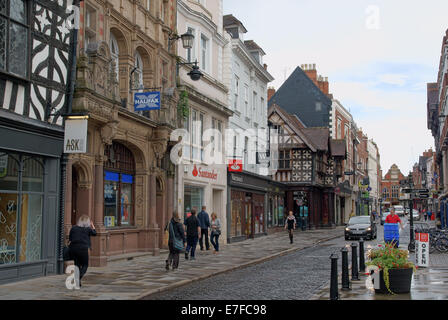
(309, 163)
(35, 60)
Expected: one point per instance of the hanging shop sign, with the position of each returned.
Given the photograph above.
(75, 137)
(235, 165)
(146, 101)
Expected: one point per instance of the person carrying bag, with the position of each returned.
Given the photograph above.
(215, 227)
(176, 241)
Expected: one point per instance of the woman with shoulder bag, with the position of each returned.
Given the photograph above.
(215, 226)
(80, 244)
(176, 241)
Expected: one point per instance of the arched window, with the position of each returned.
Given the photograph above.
(114, 52)
(119, 176)
(138, 73)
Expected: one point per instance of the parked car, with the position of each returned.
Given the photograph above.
(383, 218)
(399, 210)
(360, 227)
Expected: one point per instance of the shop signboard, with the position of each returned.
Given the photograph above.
(235, 165)
(146, 101)
(75, 137)
(422, 250)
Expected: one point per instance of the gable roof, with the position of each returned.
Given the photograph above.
(319, 137)
(298, 95)
(294, 125)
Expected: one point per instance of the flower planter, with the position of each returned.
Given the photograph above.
(399, 281)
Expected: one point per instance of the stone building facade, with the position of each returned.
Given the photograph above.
(125, 181)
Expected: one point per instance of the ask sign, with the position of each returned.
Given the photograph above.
(75, 137)
(145, 101)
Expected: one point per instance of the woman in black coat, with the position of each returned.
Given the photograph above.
(80, 244)
(179, 233)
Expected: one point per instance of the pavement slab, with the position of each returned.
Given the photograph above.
(144, 275)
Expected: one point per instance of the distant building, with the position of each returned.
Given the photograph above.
(390, 186)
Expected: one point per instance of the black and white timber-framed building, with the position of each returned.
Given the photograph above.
(35, 60)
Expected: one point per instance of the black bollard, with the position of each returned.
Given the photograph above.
(345, 276)
(355, 272)
(362, 263)
(334, 293)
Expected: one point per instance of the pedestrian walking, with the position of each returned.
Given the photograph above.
(204, 222)
(79, 246)
(215, 227)
(290, 224)
(176, 233)
(193, 231)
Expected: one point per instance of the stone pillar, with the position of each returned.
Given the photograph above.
(170, 196)
(99, 243)
(153, 227)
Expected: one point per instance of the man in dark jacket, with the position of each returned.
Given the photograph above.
(204, 221)
(193, 230)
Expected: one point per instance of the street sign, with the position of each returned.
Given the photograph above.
(422, 249)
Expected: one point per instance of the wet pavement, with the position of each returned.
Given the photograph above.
(146, 275)
(427, 283)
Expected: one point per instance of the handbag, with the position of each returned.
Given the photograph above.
(178, 244)
(66, 254)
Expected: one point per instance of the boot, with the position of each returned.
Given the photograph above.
(186, 255)
(167, 265)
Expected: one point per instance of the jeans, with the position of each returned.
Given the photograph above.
(173, 257)
(192, 242)
(214, 240)
(204, 235)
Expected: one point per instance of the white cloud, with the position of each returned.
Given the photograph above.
(394, 79)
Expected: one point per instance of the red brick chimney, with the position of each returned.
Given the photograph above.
(271, 92)
(319, 81)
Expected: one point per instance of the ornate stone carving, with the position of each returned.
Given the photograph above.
(108, 132)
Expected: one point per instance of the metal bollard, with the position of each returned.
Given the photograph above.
(362, 263)
(334, 293)
(345, 276)
(355, 272)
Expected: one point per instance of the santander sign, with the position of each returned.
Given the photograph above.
(203, 173)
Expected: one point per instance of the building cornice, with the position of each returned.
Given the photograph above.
(241, 50)
(199, 17)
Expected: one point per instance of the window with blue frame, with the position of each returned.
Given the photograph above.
(119, 176)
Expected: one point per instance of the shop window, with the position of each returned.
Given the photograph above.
(21, 203)
(119, 173)
(193, 199)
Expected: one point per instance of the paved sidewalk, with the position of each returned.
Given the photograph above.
(427, 283)
(142, 276)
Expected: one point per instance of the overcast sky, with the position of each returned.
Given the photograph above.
(378, 56)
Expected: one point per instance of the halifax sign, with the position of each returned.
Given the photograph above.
(145, 101)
